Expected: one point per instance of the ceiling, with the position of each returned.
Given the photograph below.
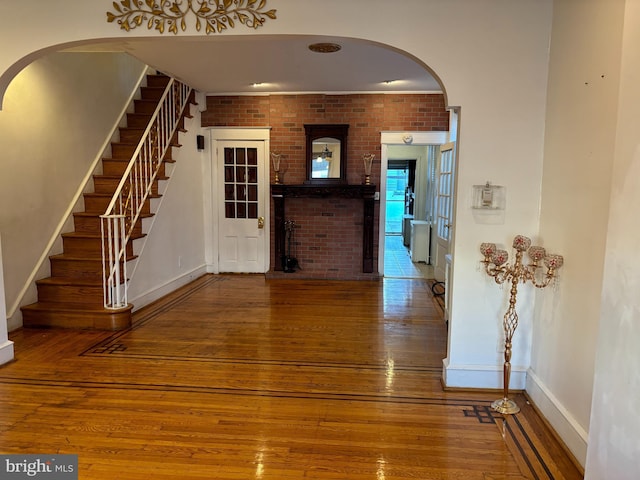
(218, 65)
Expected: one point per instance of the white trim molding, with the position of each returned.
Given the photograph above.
(166, 288)
(6, 346)
(6, 352)
(481, 376)
(407, 137)
(572, 433)
(414, 138)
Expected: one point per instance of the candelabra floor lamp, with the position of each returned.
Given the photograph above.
(496, 266)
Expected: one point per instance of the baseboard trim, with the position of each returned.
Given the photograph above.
(155, 293)
(481, 376)
(560, 420)
(6, 352)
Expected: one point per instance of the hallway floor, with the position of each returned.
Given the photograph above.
(236, 377)
(397, 261)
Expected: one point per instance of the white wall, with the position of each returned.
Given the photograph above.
(500, 140)
(173, 253)
(614, 435)
(57, 113)
(579, 148)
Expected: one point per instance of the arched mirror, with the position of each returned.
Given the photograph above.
(326, 154)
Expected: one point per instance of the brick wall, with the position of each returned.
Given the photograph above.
(329, 234)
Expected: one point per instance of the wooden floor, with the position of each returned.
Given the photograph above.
(238, 377)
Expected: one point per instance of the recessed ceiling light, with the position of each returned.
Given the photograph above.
(388, 82)
(256, 84)
(324, 47)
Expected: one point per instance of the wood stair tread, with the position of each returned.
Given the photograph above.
(83, 258)
(51, 315)
(93, 236)
(62, 307)
(110, 195)
(68, 281)
(127, 160)
(118, 177)
(94, 214)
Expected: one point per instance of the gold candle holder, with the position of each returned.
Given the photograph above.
(275, 159)
(496, 266)
(368, 162)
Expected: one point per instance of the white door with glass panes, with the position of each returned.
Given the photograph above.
(242, 242)
(444, 208)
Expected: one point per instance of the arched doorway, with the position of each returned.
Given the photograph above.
(393, 59)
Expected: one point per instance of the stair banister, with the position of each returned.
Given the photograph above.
(134, 188)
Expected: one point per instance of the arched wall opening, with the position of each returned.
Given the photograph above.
(103, 45)
(364, 65)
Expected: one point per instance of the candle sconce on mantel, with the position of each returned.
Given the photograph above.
(496, 266)
(367, 158)
(276, 159)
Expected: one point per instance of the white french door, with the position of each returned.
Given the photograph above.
(444, 208)
(241, 203)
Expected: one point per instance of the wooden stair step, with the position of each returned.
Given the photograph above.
(117, 166)
(145, 106)
(44, 314)
(90, 237)
(157, 80)
(108, 184)
(138, 120)
(114, 166)
(89, 222)
(123, 150)
(192, 102)
(80, 243)
(70, 291)
(98, 202)
(83, 268)
(131, 135)
(152, 93)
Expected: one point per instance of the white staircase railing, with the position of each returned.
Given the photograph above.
(128, 202)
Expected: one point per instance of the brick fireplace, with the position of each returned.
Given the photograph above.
(332, 222)
(331, 236)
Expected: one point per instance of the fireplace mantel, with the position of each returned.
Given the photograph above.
(323, 191)
(280, 192)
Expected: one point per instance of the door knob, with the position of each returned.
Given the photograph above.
(260, 222)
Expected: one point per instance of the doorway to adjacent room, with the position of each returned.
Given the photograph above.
(399, 200)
